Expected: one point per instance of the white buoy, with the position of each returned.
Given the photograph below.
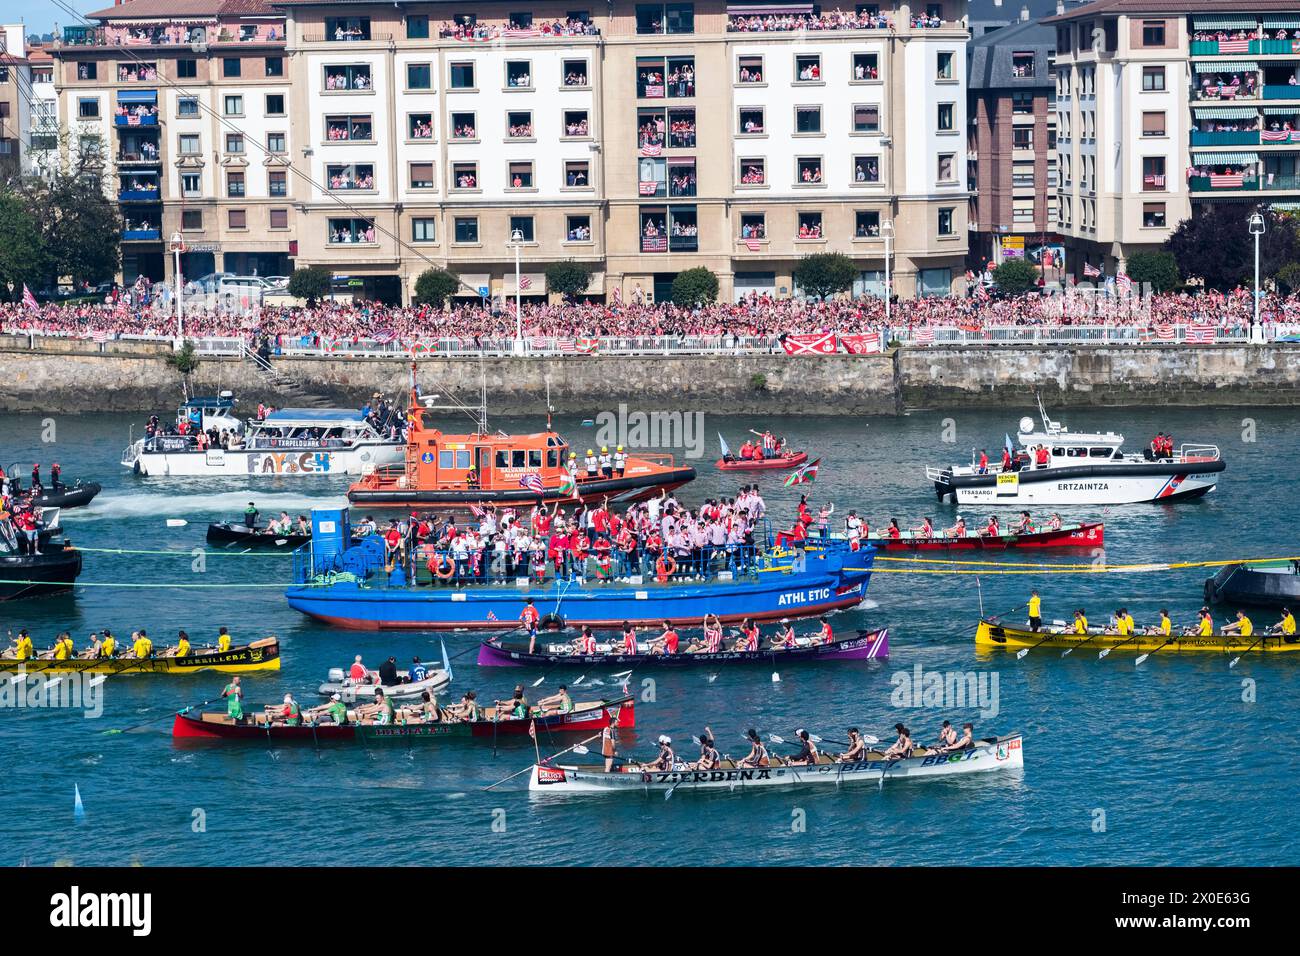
(776, 678)
(176, 522)
(78, 808)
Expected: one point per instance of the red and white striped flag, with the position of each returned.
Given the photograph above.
(1164, 331)
(533, 482)
(532, 729)
(1123, 283)
(29, 300)
(651, 149)
(753, 245)
(1234, 46)
(924, 336)
(1090, 271)
(99, 335)
(525, 282)
(648, 189)
(1227, 180)
(1201, 333)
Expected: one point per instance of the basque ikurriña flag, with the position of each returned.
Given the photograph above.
(804, 474)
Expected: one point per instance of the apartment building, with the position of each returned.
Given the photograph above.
(186, 104)
(1012, 143)
(15, 99)
(641, 138)
(1163, 107)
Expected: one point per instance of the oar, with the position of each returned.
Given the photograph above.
(998, 617)
(155, 720)
(1233, 663)
(1025, 650)
(1142, 657)
(547, 760)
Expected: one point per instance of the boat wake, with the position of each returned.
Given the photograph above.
(226, 504)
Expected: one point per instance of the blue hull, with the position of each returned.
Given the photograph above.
(771, 594)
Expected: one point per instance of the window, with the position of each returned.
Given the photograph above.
(947, 167)
(652, 177)
(462, 76)
(947, 221)
(187, 106)
(866, 67)
(351, 230)
(278, 182)
(349, 128)
(274, 66)
(519, 75)
(807, 68)
(650, 130)
(808, 120)
(464, 175)
(944, 68)
(1022, 137)
(346, 29)
(1153, 33)
(523, 225)
(751, 121)
(274, 104)
(808, 170)
(347, 78)
(419, 76)
(279, 219)
(1022, 103)
(944, 121)
(419, 126)
(810, 226)
(191, 185)
(753, 171)
(681, 177)
(237, 219)
(187, 69)
(230, 67)
(1153, 123)
(665, 18)
(650, 78)
(417, 28)
(421, 176)
(866, 119)
(233, 105)
(753, 225)
(88, 71)
(88, 107)
(681, 129)
(191, 219)
(422, 229)
(1153, 215)
(350, 176)
(1153, 174)
(187, 144)
(1153, 78)
(575, 73)
(234, 184)
(578, 229)
(520, 21)
(577, 174)
(519, 124)
(576, 124)
(1022, 65)
(681, 76)
(521, 175)
(464, 126)
(275, 143)
(749, 69)
(866, 169)
(683, 229)
(866, 224)
(234, 142)
(466, 229)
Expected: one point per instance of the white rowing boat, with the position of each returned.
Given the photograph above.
(994, 753)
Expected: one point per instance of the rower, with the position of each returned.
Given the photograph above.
(992, 527)
(827, 635)
(559, 702)
(518, 705)
(757, 756)
(384, 711)
(223, 639)
(807, 754)
(712, 634)
(785, 636)
(1241, 625)
(965, 742)
(182, 648)
(1205, 627)
(629, 638)
(586, 642)
(1024, 526)
(667, 642)
(958, 530)
(1128, 620)
(250, 516)
(749, 636)
(142, 646)
(901, 748)
(428, 708)
(1054, 522)
(23, 646)
(924, 530)
(893, 532)
(709, 756)
(234, 695)
(608, 742)
(108, 648)
(1122, 626)
(1286, 626)
(666, 757)
(947, 737)
(1035, 610)
(1080, 622)
(1166, 626)
(337, 709)
(291, 714)
(63, 648)
(857, 748)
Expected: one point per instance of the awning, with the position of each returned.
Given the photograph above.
(1229, 66)
(1282, 23)
(530, 283)
(1224, 159)
(762, 9)
(474, 283)
(1285, 206)
(137, 96)
(1281, 110)
(1223, 23)
(1226, 112)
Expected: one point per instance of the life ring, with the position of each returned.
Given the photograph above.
(445, 563)
(551, 622)
(665, 567)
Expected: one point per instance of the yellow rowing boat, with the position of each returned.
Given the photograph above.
(263, 655)
(993, 635)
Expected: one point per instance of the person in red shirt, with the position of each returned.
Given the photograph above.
(827, 635)
(1006, 459)
(984, 463)
(528, 619)
(357, 673)
(629, 638)
(668, 640)
(1041, 456)
(894, 531)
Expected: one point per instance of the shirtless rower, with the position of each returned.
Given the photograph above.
(558, 703)
(901, 748)
(857, 748)
(947, 737)
(964, 742)
(709, 756)
(758, 755)
(807, 754)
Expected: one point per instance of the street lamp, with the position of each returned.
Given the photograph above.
(517, 241)
(177, 247)
(1256, 226)
(887, 231)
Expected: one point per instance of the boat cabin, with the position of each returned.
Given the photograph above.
(309, 428)
(210, 412)
(438, 461)
(1068, 448)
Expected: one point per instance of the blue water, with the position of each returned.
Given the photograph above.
(1162, 764)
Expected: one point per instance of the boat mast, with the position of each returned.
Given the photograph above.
(482, 404)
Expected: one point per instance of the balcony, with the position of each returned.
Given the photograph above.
(1237, 138)
(137, 234)
(684, 244)
(136, 119)
(127, 194)
(1281, 91)
(133, 160)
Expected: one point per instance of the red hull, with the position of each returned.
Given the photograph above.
(1076, 536)
(783, 463)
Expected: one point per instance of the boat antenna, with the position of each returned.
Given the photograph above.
(1048, 424)
(549, 409)
(482, 407)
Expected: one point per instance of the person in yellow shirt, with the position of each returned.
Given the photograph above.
(63, 649)
(1206, 626)
(1166, 626)
(1241, 625)
(1035, 611)
(223, 639)
(142, 646)
(1080, 622)
(23, 646)
(1286, 626)
(108, 648)
(182, 645)
(1122, 627)
(1128, 620)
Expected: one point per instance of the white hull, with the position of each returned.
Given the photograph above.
(359, 459)
(435, 683)
(1117, 490)
(1006, 754)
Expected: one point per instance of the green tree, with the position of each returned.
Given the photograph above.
(824, 274)
(312, 284)
(1289, 277)
(80, 226)
(22, 250)
(568, 278)
(1159, 270)
(1016, 276)
(695, 287)
(435, 287)
(185, 360)
(1216, 245)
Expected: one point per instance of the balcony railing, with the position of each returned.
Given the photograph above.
(138, 195)
(134, 119)
(1268, 182)
(1281, 91)
(1233, 138)
(137, 159)
(330, 38)
(141, 235)
(1234, 47)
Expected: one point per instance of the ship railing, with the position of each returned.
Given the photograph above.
(1195, 453)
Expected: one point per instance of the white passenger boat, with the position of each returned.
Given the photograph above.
(994, 753)
(1082, 468)
(288, 441)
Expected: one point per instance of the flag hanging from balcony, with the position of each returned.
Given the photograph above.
(753, 245)
(654, 243)
(924, 336)
(651, 149)
(1274, 136)
(525, 282)
(815, 343)
(1234, 46)
(648, 189)
(1164, 331)
(1227, 180)
(1201, 333)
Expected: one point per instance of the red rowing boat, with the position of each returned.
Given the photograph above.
(779, 463)
(1088, 535)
